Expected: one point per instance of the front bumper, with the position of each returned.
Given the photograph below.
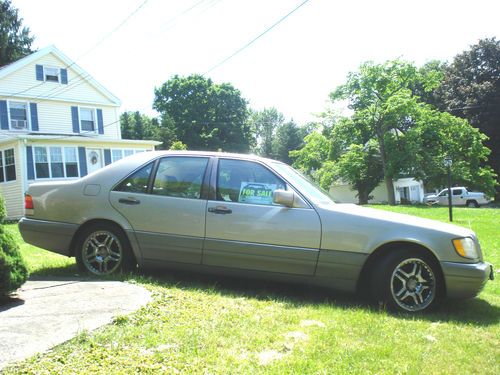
(50, 235)
(466, 280)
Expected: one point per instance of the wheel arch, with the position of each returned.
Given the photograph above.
(131, 242)
(380, 252)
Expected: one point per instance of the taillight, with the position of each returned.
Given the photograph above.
(28, 202)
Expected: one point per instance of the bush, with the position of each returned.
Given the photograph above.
(13, 271)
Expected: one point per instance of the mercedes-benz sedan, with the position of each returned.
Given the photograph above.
(245, 215)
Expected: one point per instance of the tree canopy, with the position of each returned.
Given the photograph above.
(205, 115)
(15, 40)
(471, 90)
(392, 133)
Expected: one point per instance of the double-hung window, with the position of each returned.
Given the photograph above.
(7, 165)
(87, 119)
(18, 115)
(56, 162)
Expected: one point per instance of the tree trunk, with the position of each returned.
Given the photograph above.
(391, 197)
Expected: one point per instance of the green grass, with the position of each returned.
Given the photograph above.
(204, 325)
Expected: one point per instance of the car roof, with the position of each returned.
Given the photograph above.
(210, 154)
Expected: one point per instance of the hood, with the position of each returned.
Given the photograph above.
(401, 220)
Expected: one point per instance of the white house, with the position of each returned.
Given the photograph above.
(405, 189)
(56, 123)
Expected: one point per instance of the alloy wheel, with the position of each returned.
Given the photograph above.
(102, 253)
(413, 285)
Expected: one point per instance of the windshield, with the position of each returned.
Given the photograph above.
(302, 183)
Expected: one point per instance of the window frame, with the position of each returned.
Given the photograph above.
(204, 180)
(215, 177)
(28, 115)
(46, 67)
(49, 162)
(94, 119)
(4, 165)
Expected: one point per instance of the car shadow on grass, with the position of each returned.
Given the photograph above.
(477, 311)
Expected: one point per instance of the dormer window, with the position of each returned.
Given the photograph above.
(18, 115)
(51, 74)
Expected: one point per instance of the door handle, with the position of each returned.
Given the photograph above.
(129, 201)
(220, 210)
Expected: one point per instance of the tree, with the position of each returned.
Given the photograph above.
(471, 90)
(15, 40)
(265, 124)
(289, 136)
(135, 125)
(382, 99)
(126, 126)
(311, 157)
(205, 115)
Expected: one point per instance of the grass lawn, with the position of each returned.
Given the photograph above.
(204, 325)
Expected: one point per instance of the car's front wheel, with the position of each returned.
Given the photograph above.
(102, 249)
(407, 281)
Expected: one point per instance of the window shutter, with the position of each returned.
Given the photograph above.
(100, 123)
(83, 161)
(29, 158)
(64, 76)
(74, 119)
(107, 156)
(34, 117)
(39, 72)
(4, 118)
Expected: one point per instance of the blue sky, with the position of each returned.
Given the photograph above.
(293, 67)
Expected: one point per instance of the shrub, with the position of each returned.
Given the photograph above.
(13, 271)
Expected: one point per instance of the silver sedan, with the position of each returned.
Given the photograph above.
(245, 215)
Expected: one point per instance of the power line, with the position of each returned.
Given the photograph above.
(106, 36)
(256, 38)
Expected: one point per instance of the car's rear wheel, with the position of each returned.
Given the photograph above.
(408, 281)
(472, 204)
(103, 249)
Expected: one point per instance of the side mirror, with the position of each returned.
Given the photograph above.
(284, 197)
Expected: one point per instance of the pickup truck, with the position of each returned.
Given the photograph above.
(460, 196)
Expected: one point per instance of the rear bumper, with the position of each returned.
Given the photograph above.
(466, 280)
(49, 235)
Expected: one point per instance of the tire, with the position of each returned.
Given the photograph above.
(102, 249)
(472, 204)
(408, 281)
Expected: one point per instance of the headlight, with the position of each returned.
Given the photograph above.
(465, 247)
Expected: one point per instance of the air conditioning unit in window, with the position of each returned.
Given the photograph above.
(19, 124)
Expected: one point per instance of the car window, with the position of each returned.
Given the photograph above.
(246, 182)
(443, 193)
(456, 192)
(138, 181)
(180, 177)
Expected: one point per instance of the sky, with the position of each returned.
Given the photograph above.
(293, 67)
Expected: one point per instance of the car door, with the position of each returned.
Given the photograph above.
(457, 197)
(164, 204)
(245, 230)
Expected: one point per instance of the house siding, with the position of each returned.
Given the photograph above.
(77, 89)
(55, 117)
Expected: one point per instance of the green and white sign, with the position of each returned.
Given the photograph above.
(256, 193)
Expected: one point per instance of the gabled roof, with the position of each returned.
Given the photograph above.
(12, 67)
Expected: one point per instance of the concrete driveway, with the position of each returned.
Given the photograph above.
(48, 312)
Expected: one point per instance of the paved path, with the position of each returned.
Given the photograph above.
(51, 311)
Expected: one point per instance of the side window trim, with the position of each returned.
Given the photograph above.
(150, 178)
(204, 180)
(215, 175)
